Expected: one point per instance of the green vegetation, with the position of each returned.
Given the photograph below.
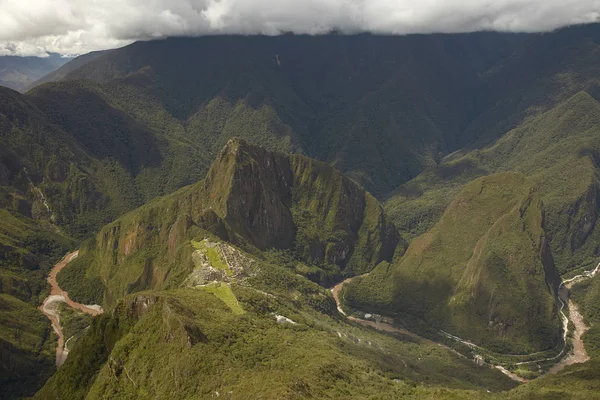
(73, 323)
(587, 297)
(124, 127)
(27, 252)
(73, 279)
(26, 346)
(223, 292)
(557, 150)
(577, 382)
(482, 273)
(196, 346)
(256, 199)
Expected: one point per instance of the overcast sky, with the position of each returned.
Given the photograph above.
(34, 27)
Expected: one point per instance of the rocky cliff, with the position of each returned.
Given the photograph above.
(256, 199)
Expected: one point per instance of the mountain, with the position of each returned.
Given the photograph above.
(483, 272)
(112, 154)
(27, 252)
(198, 309)
(49, 189)
(348, 100)
(48, 175)
(556, 149)
(64, 69)
(19, 72)
(251, 198)
(209, 293)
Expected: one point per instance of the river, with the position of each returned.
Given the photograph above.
(577, 355)
(50, 307)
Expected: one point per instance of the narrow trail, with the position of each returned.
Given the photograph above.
(50, 307)
(379, 325)
(578, 354)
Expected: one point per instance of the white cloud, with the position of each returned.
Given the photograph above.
(33, 27)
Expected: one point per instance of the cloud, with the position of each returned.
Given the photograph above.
(34, 27)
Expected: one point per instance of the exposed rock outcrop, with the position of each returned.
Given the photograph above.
(252, 198)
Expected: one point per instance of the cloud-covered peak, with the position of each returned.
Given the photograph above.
(34, 27)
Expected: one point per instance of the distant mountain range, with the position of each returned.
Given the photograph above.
(19, 73)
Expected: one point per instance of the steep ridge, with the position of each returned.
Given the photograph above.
(48, 175)
(253, 198)
(205, 294)
(558, 150)
(484, 272)
(292, 93)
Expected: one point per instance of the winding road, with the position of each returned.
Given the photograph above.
(379, 325)
(577, 356)
(50, 307)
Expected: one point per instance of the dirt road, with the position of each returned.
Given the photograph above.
(577, 356)
(386, 327)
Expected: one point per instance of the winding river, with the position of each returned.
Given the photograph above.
(50, 307)
(576, 356)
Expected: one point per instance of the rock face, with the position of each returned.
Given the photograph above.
(252, 198)
(274, 200)
(252, 191)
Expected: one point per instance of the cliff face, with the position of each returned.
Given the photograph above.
(292, 202)
(251, 189)
(253, 198)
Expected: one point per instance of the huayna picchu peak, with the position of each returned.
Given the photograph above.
(253, 198)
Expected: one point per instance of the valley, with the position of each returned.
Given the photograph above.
(354, 216)
(50, 308)
(572, 352)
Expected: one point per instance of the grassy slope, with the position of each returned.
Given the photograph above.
(479, 273)
(578, 382)
(252, 197)
(556, 149)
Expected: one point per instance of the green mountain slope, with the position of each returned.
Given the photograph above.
(208, 293)
(556, 149)
(380, 108)
(484, 272)
(186, 343)
(48, 174)
(28, 250)
(251, 197)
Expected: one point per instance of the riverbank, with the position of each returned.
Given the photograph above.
(50, 307)
(577, 355)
